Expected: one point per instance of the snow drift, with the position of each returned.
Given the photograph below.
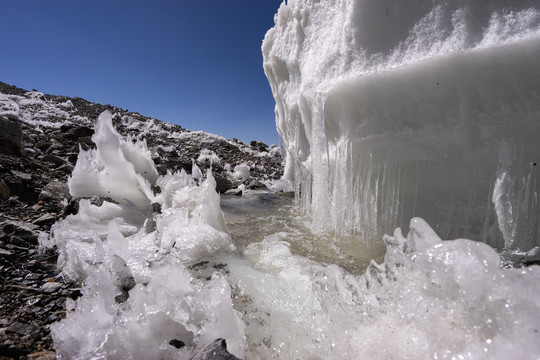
(389, 110)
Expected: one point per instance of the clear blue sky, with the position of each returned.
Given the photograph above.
(196, 63)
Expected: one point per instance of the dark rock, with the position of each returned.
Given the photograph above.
(81, 132)
(10, 136)
(25, 192)
(54, 147)
(87, 140)
(4, 190)
(66, 168)
(54, 159)
(216, 350)
(5, 253)
(22, 329)
(259, 145)
(223, 184)
(156, 207)
(177, 343)
(122, 297)
(254, 184)
(98, 200)
(46, 219)
(72, 208)
(19, 228)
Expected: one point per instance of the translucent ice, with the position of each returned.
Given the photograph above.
(389, 110)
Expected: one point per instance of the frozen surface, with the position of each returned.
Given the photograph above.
(389, 110)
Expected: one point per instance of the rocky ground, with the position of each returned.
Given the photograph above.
(40, 137)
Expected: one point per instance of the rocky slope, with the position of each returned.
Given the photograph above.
(40, 137)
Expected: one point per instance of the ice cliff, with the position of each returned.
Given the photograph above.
(389, 110)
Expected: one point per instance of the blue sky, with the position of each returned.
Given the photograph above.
(195, 63)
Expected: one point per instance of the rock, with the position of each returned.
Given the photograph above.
(235, 192)
(10, 136)
(54, 159)
(46, 219)
(4, 190)
(50, 287)
(5, 253)
(259, 145)
(223, 184)
(177, 343)
(24, 177)
(156, 208)
(254, 184)
(216, 350)
(81, 132)
(87, 140)
(19, 228)
(42, 355)
(56, 190)
(22, 329)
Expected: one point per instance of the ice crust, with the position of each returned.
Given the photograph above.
(389, 110)
(152, 277)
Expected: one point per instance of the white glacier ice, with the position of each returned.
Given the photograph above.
(389, 110)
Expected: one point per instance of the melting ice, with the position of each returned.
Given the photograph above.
(387, 110)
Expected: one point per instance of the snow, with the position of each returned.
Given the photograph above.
(389, 110)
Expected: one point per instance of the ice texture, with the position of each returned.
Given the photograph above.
(429, 299)
(138, 292)
(117, 168)
(390, 109)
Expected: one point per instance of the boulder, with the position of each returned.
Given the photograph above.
(4, 190)
(223, 184)
(10, 136)
(56, 190)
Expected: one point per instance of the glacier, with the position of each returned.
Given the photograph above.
(390, 110)
(418, 116)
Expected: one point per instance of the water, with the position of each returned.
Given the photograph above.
(254, 216)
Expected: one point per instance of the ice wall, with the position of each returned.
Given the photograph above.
(392, 109)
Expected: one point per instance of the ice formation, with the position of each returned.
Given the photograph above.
(389, 110)
(138, 292)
